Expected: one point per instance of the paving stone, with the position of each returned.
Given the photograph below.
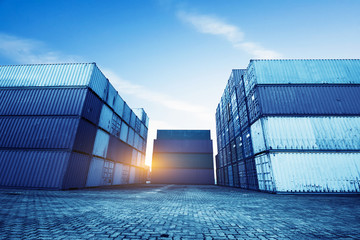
(176, 212)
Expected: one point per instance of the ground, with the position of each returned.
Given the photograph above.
(176, 212)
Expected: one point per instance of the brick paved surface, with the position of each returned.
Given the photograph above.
(177, 212)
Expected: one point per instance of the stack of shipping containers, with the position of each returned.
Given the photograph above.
(183, 157)
(64, 126)
(300, 125)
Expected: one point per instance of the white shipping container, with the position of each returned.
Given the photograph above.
(118, 171)
(95, 174)
(101, 143)
(132, 175)
(138, 162)
(133, 157)
(105, 118)
(309, 172)
(325, 133)
(124, 131)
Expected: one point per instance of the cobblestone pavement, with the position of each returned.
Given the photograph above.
(176, 212)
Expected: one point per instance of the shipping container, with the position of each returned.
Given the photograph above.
(132, 175)
(116, 125)
(127, 113)
(306, 133)
(247, 143)
(85, 137)
(92, 107)
(182, 176)
(42, 101)
(304, 71)
(101, 143)
(231, 176)
(302, 99)
(108, 172)
(95, 174)
(124, 132)
(183, 134)
(111, 96)
(121, 174)
(33, 169)
(309, 172)
(106, 121)
(119, 151)
(45, 75)
(119, 106)
(182, 160)
(38, 132)
(183, 146)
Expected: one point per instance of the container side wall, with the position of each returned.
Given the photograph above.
(101, 143)
(38, 132)
(316, 172)
(33, 169)
(95, 174)
(77, 170)
(39, 101)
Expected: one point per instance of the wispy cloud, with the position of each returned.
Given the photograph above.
(28, 51)
(150, 95)
(212, 25)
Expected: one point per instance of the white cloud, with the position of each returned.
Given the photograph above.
(141, 92)
(212, 25)
(29, 51)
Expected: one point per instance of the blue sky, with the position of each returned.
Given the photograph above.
(174, 57)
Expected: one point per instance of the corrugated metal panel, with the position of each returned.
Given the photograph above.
(137, 142)
(127, 113)
(182, 160)
(247, 143)
(108, 172)
(231, 177)
(77, 170)
(121, 174)
(244, 120)
(101, 143)
(132, 175)
(105, 120)
(133, 157)
(132, 120)
(92, 107)
(95, 175)
(183, 134)
(38, 132)
(119, 106)
(116, 125)
(264, 173)
(236, 175)
(138, 125)
(142, 131)
(33, 169)
(111, 96)
(46, 75)
(242, 175)
(131, 136)
(85, 137)
(324, 133)
(119, 151)
(138, 162)
(315, 172)
(51, 101)
(183, 146)
(182, 176)
(99, 83)
(251, 174)
(239, 148)
(124, 132)
(304, 100)
(307, 71)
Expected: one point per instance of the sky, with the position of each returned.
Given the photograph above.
(173, 58)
